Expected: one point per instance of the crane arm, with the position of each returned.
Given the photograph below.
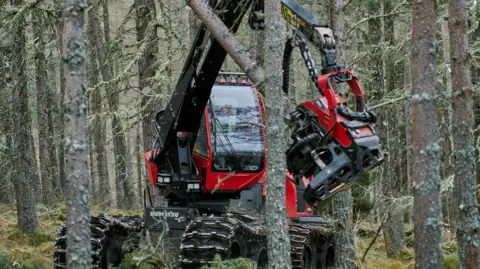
(185, 108)
(306, 24)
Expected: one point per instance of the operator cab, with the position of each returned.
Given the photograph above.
(231, 136)
(236, 133)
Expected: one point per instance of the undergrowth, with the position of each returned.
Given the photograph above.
(376, 257)
(20, 251)
(230, 264)
(9, 263)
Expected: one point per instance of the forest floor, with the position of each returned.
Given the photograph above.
(36, 251)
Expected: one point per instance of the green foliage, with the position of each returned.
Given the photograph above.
(395, 265)
(450, 262)
(406, 254)
(9, 263)
(35, 239)
(230, 264)
(449, 247)
(151, 252)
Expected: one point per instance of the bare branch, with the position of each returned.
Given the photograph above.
(221, 180)
(374, 17)
(227, 40)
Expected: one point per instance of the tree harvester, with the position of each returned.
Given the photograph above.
(209, 155)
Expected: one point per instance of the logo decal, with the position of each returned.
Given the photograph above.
(164, 213)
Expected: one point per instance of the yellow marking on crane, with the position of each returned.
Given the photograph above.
(291, 17)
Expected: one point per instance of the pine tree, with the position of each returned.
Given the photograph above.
(426, 179)
(467, 216)
(76, 137)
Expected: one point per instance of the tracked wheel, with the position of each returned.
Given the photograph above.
(109, 236)
(262, 259)
(225, 236)
(311, 246)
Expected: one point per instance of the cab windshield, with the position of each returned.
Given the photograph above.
(237, 137)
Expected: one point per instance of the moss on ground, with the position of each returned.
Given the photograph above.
(230, 264)
(35, 251)
(377, 258)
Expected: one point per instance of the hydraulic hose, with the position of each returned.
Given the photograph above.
(301, 143)
(287, 57)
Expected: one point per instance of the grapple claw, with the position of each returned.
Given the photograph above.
(333, 145)
(341, 172)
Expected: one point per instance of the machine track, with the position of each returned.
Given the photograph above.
(230, 237)
(109, 233)
(311, 246)
(227, 236)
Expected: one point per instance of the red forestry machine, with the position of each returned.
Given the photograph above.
(208, 160)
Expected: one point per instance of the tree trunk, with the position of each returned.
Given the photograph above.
(52, 122)
(98, 123)
(146, 13)
(426, 179)
(166, 12)
(34, 169)
(24, 156)
(42, 109)
(276, 219)
(448, 210)
(91, 168)
(475, 74)
(408, 138)
(76, 138)
(124, 191)
(7, 167)
(61, 102)
(193, 23)
(120, 143)
(393, 228)
(140, 162)
(468, 222)
(342, 202)
(92, 81)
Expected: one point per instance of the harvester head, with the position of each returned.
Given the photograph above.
(332, 144)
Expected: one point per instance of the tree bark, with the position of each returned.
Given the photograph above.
(408, 139)
(166, 13)
(91, 167)
(24, 156)
(426, 179)
(448, 210)
(193, 24)
(42, 109)
(475, 74)
(61, 103)
(7, 167)
(140, 162)
(53, 123)
(342, 204)
(276, 219)
(76, 137)
(467, 215)
(228, 41)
